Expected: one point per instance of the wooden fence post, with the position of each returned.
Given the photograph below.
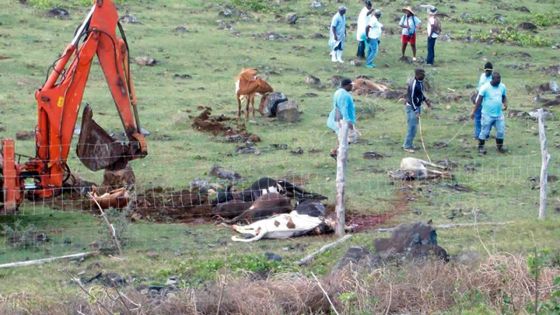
(544, 165)
(340, 177)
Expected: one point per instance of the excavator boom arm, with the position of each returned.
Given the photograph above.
(59, 101)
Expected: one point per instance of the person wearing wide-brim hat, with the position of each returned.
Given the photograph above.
(409, 22)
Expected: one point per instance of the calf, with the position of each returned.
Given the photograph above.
(420, 169)
(246, 86)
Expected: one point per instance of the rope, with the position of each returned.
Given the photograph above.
(458, 131)
(422, 139)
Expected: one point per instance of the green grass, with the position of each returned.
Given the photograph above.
(502, 189)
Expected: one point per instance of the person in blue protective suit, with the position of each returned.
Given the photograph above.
(338, 34)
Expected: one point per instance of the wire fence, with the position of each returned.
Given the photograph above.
(182, 195)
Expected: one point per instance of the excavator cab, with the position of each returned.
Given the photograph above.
(58, 102)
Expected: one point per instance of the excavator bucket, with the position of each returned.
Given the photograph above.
(96, 148)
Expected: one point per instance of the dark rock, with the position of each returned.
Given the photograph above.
(522, 9)
(279, 146)
(512, 113)
(222, 173)
(59, 13)
(182, 76)
(273, 256)
(458, 187)
(181, 29)
(312, 81)
(448, 164)
(25, 135)
(291, 18)
(297, 151)
(129, 18)
(247, 148)
(370, 155)
(113, 279)
(335, 80)
(528, 26)
(411, 242)
(317, 36)
(440, 145)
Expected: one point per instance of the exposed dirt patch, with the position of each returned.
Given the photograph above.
(222, 126)
(25, 135)
(168, 205)
(399, 205)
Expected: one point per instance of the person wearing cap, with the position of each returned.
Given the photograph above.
(343, 111)
(492, 98)
(414, 99)
(373, 33)
(434, 29)
(338, 34)
(409, 22)
(363, 18)
(485, 77)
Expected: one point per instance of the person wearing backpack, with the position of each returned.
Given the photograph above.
(409, 22)
(434, 29)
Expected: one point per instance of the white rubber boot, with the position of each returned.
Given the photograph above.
(339, 56)
(333, 56)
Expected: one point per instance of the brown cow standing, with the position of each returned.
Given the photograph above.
(247, 85)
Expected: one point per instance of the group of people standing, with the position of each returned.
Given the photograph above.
(368, 34)
(369, 30)
(489, 102)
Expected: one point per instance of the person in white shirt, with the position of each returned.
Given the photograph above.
(434, 29)
(373, 32)
(361, 28)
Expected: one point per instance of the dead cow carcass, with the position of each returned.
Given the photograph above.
(265, 206)
(413, 168)
(280, 226)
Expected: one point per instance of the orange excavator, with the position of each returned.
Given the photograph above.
(59, 101)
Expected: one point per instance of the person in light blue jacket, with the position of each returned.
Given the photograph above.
(338, 34)
(343, 111)
(485, 77)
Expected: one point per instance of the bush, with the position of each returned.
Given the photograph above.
(20, 236)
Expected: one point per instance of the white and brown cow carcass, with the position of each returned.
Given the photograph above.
(307, 218)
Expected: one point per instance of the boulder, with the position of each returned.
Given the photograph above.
(272, 101)
(528, 26)
(288, 111)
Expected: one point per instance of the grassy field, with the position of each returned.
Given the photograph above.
(211, 56)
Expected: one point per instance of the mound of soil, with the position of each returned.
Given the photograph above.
(222, 126)
(167, 205)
